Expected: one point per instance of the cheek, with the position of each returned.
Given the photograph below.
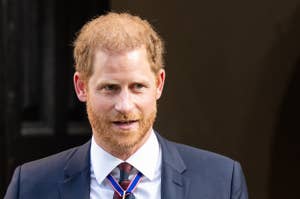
(100, 103)
(147, 104)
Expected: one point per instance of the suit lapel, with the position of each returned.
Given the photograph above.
(76, 183)
(173, 183)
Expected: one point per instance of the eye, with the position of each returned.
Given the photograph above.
(138, 87)
(110, 88)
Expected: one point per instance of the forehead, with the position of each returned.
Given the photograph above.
(121, 65)
(135, 59)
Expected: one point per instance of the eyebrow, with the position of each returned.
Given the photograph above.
(104, 83)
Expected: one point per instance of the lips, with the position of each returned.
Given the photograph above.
(125, 124)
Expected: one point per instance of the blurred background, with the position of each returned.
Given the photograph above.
(233, 82)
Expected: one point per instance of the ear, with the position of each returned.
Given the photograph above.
(80, 87)
(160, 76)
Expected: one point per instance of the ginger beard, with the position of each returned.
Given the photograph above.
(119, 142)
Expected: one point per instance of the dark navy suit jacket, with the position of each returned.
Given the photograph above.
(187, 173)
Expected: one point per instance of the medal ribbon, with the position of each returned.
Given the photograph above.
(117, 187)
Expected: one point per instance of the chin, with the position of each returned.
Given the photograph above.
(127, 140)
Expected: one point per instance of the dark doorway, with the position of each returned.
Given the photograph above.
(286, 152)
(40, 114)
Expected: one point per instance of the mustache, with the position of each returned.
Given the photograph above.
(125, 117)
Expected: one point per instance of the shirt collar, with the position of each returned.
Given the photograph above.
(102, 162)
(146, 159)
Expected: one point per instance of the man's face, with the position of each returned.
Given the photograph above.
(121, 99)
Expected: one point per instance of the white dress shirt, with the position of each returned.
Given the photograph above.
(146, 159)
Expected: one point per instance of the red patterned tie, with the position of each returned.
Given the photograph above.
(124, 181)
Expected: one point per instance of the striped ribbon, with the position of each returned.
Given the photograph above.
(117, 187)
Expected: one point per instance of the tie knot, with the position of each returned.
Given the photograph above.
(125, 167)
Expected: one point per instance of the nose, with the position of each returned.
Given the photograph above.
(124, 103)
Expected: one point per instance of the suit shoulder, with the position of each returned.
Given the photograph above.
(193, 157)
(37, 178)
(214, 171)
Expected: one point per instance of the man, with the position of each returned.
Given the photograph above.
(120, 76)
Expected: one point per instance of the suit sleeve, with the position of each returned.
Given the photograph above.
(13, 188)
(238, 184)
